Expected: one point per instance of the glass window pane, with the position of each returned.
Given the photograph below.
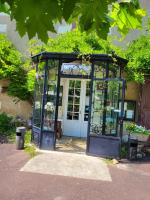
(76, 116)
(74, 100)
(100, 69)
(38, 95)
(71, 92)
(70, 100)
(105, 107)
(70, 108)
(76, 68)
(71, 84)
(76, 108)
(69, 115)
(50, 101)
(77, 100)
(77, 92)
(77, 84)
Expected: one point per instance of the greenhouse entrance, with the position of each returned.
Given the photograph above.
(75, 107)
(79, 97)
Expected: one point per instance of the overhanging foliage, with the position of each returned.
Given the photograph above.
(38, 17)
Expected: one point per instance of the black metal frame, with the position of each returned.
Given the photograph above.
(68, 57)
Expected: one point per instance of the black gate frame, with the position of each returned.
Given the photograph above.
(107, 146)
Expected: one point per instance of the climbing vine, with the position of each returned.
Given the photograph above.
(11, 68)
(138, 54)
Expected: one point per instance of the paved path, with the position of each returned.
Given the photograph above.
(69, 164)
(19, 185)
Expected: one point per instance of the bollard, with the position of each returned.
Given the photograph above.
(20, 133)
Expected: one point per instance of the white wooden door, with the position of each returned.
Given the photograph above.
(76, 104)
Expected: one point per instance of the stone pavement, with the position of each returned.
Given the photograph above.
(69, 164)
(21, 185)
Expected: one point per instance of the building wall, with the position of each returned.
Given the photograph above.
(11, 105)
(21, 108)
(132, 91)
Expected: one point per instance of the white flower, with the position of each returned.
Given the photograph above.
(37, 104)
(49, 106)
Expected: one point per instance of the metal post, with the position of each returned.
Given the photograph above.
(57, 101)
(105, 100)
(90, 107)
(33, 111)
(122, 108)
(43, 100)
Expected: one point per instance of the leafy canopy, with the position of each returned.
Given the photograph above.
(138, 54)
(73, 41)
(11, 69)
(38, 17)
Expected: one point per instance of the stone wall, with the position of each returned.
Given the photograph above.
(11, 105)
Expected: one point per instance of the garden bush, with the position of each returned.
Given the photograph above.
(7, 129)
(5, 123)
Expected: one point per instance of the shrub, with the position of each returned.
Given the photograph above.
(5, 123)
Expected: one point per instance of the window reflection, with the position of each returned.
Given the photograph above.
(50, 101)
(105, 107)
(39, 81)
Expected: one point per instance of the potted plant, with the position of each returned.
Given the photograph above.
(140, 132)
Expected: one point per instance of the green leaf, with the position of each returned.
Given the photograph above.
(37, 18)
(126, 16)
(68, 8)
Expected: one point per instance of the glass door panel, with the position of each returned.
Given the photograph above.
(105, 110)
(39, 82)
(73, 108)
(50, 99)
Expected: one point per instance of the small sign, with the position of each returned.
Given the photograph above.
(75, 69)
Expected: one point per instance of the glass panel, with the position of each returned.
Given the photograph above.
(76, 108)
(69, 115)
(38, 95)
(100, 69)
(70, 107)
(76, 68)
(71, 84)
(71, 92)
(77, 100)
(114, 70)
(76, 116)
(77, 92)
(73, 100)
(105, 107)
(77, 84)
(50, 99)
(70, 100)
(129, 110)
(88, 88)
